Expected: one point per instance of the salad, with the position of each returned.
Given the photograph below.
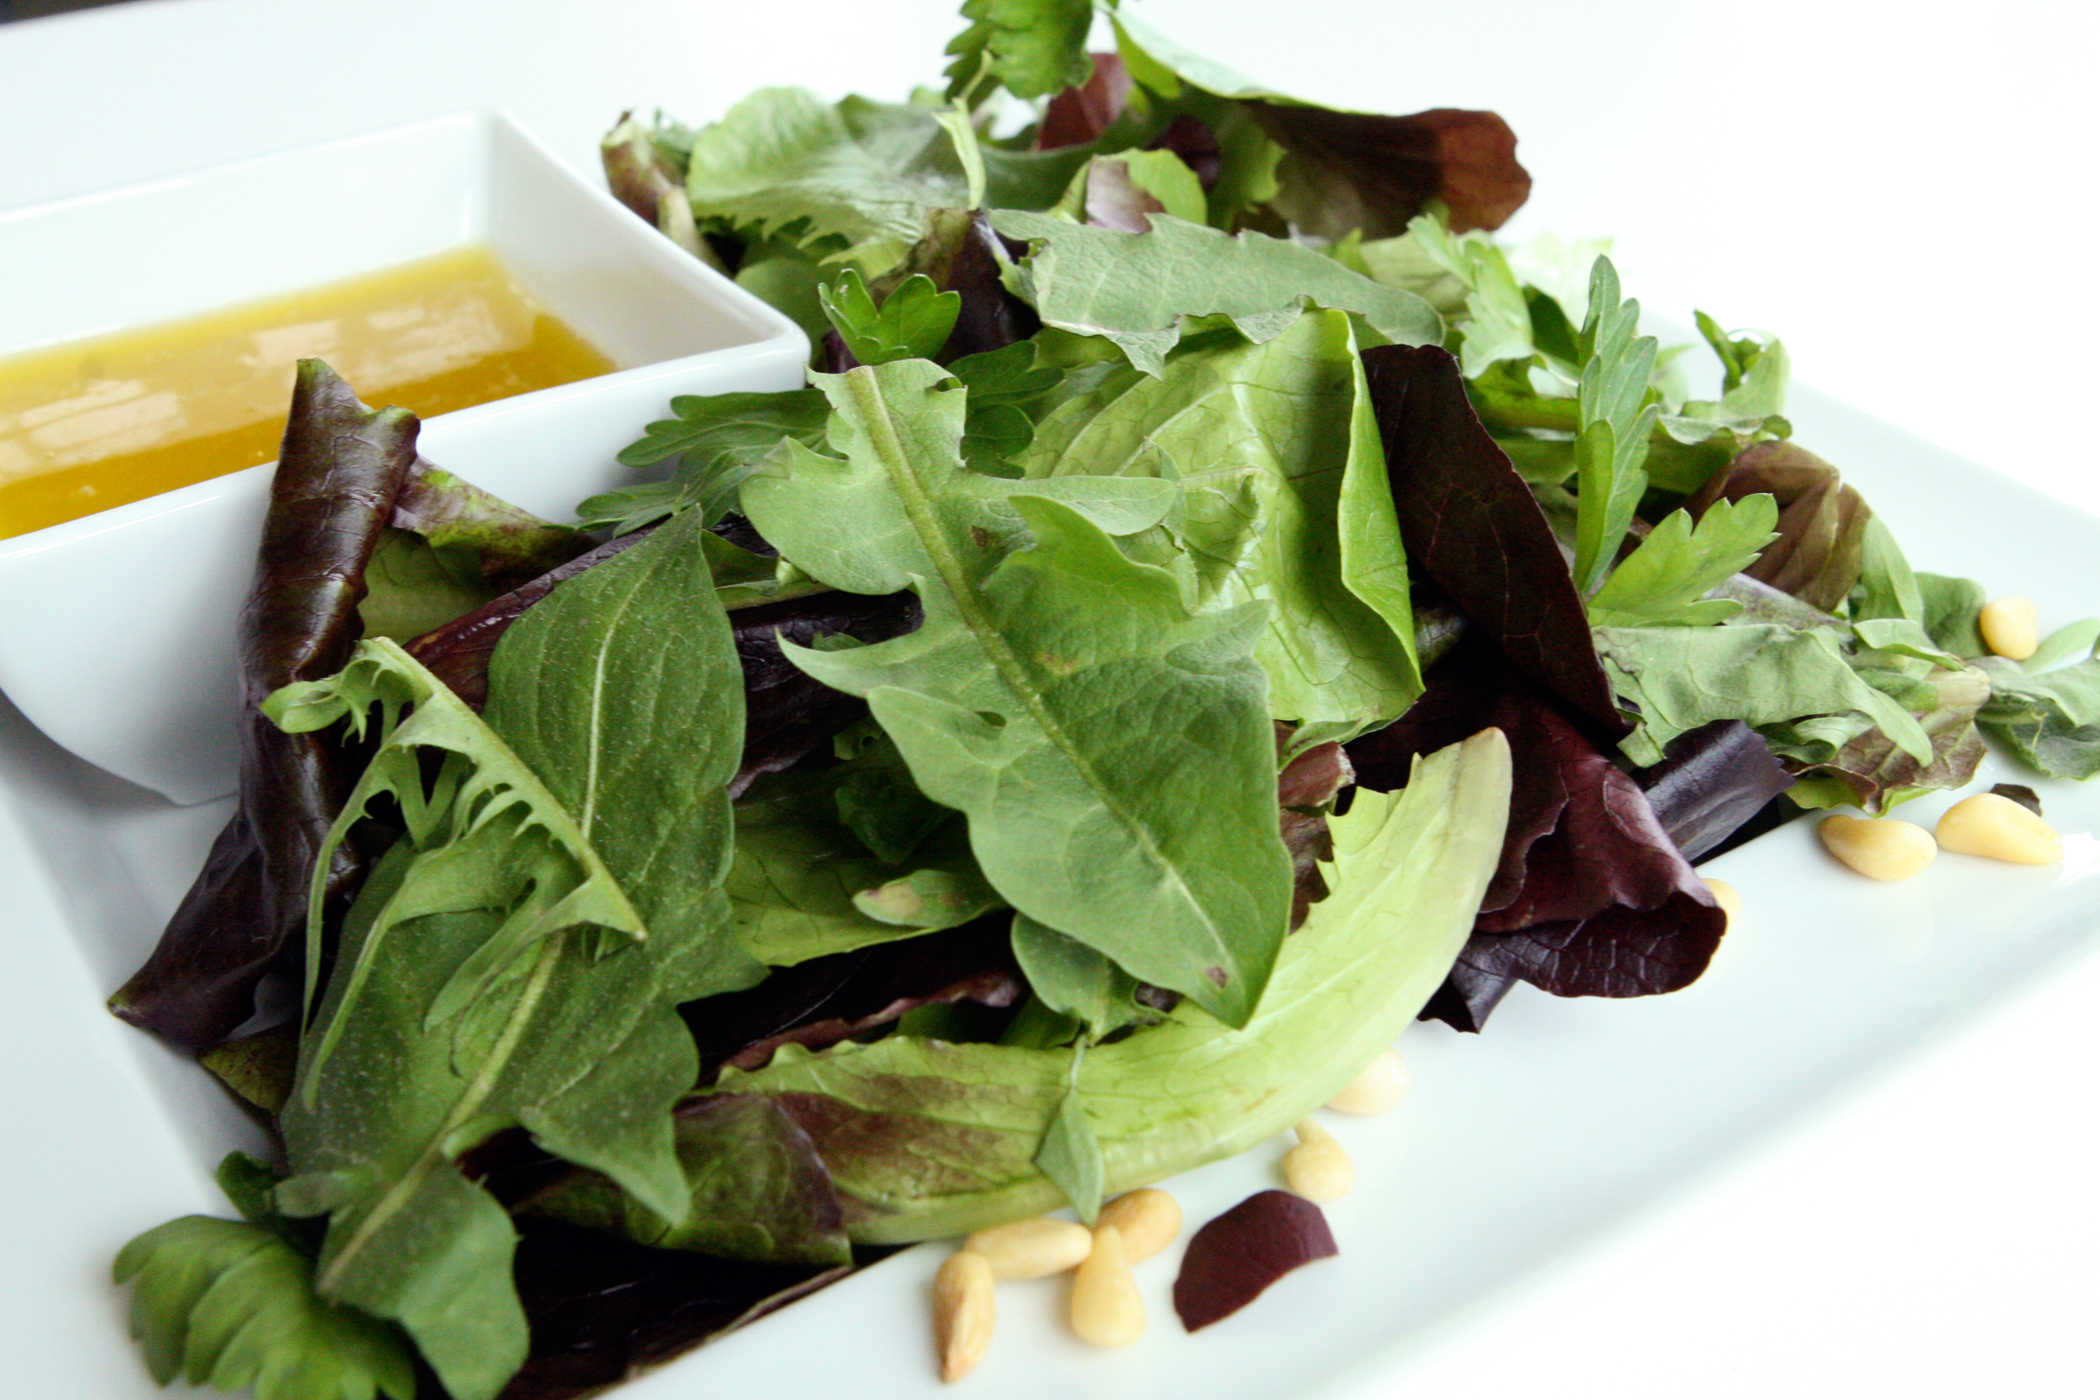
(1212, 603)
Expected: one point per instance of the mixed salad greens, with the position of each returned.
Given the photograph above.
(1211, 604)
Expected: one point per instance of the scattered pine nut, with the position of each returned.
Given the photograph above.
(962, 1312)
(1880, 850)
(1382, 1084)
(1034, 1248)
(1731, 902)
(2000, 828)
(1318, 1168)
(1148, 1220)
(2008, 627)
(1106, 1308)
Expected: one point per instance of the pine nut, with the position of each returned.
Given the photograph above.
(1106, 1309)
(1382, 1084)
(2000, 828)
(1731, 903)
(1879, 850)
(1318, 1168)
(1148, 1221)
(2008, 627)
(1034, 1248)
(962, 1312)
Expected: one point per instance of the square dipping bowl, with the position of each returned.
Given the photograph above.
(117, 630)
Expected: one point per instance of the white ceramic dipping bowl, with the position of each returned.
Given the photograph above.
(117, 629)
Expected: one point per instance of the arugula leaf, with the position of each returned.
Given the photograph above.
(231, 1304)
(926, 1139)
(1663, 583)
(1255, 433)
(1611, 441)
(482, 961)
(1037, 695)
(718, 440)
(1033, 48)
(1003, 384)
(1683, 677)
(1142, 290)
(913, 322)
(623, 691)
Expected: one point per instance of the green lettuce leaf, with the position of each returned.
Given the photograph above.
(912, 323)
(230, 1304)
(1141, 290)
(1683, 677)
(926, 1138)
(718, 440)
(1049, 690)
(2051, 720)
(854, 181)
(1284, 499)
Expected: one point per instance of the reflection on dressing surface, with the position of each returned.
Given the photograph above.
(91, 424)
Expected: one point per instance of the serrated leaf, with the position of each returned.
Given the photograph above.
(1032, 48)
(1284, 498)
(1040, 695)
(1616, 418)
(1663, 583)
(232, 1305)
(912, 323)
(1142, 290)
(486, 989)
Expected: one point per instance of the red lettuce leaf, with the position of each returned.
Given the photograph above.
(1822, 522)
(1345, 171)
(823, 1001)
(1711, 782)
(1472, 526)
(1081, 114)
(602, 1308)
(1591, 897)
(340, 470)
(1232, 1260)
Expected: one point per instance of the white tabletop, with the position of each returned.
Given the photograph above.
(1904, 193)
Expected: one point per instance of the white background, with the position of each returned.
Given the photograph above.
(1903, 192)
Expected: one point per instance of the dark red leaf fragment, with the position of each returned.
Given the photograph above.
(825, 1000)
(1711, 782)
(1473, 527)
(602, 1308)
(339, 472)
(1591, 897)
(1080, 114)
(1232, 1260)
(2019, 792)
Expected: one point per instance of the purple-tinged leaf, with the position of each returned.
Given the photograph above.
(511, 546)
(1822, 522)
(825, 1000)
(602, 1309)
(1711, 781)
(1232, 1260)
(458, 652)
(1348, 171)
(1473, 527)
(340, 471)
(1591, 898)
(1081, 114)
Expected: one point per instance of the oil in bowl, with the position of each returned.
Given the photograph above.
(94, 423)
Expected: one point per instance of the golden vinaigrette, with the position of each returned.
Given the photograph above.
(95, 423)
